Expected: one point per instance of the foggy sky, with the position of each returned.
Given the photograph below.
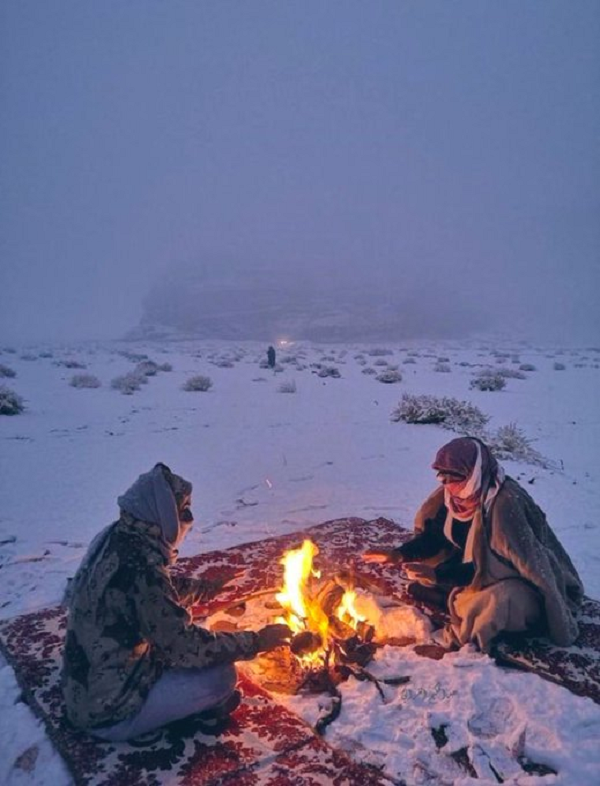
(415, 144)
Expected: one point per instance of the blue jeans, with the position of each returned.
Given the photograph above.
(177, 694)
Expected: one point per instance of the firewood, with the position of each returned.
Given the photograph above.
(306, 642)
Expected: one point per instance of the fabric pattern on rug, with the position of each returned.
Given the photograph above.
(265, 743)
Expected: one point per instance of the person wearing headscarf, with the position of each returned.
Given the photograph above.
(484, 550)
(133, 658)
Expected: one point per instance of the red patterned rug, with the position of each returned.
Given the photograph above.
(265, 743)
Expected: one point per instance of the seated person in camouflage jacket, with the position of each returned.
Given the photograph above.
(484, 550)
(133, 658)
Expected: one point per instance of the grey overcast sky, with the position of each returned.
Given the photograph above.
(418, 143)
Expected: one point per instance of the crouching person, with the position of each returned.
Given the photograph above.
(484, 550)
(133, 659)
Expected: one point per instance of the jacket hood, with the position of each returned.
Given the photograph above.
(158, 497)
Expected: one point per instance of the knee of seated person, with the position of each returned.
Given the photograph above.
(228, 677)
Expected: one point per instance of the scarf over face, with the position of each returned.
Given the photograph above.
(471, 460)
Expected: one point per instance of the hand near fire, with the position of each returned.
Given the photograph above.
(210, 588)
(382, 556)
(423, 574)
(272, 636)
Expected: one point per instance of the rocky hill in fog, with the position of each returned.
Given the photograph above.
(263, 306)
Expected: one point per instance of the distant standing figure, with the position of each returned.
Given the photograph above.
(271, 357)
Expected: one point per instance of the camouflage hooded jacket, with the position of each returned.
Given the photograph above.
(128, 622)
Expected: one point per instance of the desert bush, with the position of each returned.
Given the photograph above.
(46, 355)
(559, 367)
(223, 363)
(147, 368)
(329, 371)
(527, 367)
(389, 376)
(5, 371)
(10, 402)
(380, 362)
(165, 367)
(84, 381)
(509, 442)
(199, 383)
(409, 361)
(9, 350)
(488, 380)
(442, 368)
(288, 386)
(128, 383)
(443, 360)
(369, 370)
(378, 352)
(510, 373)
(69, 363)
(135, 357)
(450, 413)
(28, 356)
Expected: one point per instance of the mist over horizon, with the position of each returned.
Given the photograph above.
(430, 170)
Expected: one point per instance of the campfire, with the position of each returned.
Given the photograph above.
(328, 631)
(331, 639)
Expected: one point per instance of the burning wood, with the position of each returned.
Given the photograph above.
(331, 639)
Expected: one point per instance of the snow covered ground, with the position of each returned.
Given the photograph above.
(264, 462)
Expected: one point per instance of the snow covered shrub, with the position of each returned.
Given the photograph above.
(329, 371)
(488, 380)
(10, 402)
(128, 383)
(5, 371)
(527, 367)
(450, 413)
(442, 368)
(165, 367)
(389, 376)
(510, 373)
(289, 386)
(9, 350)
(147, 368)
(46, 355)
(559, 367)
(380, 362)
(443, 360)
(369, 370)
(198, 383)
(223, 363)
(69, 363)
(380, 353)
(135, 357)
(409, 361)
(84, 381)
(28, 356)
(509, 442)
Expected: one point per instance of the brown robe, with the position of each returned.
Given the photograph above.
(523, 575)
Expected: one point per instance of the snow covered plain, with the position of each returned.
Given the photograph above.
(264, 462)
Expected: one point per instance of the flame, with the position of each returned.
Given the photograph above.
(347, 612)
(299, 613)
